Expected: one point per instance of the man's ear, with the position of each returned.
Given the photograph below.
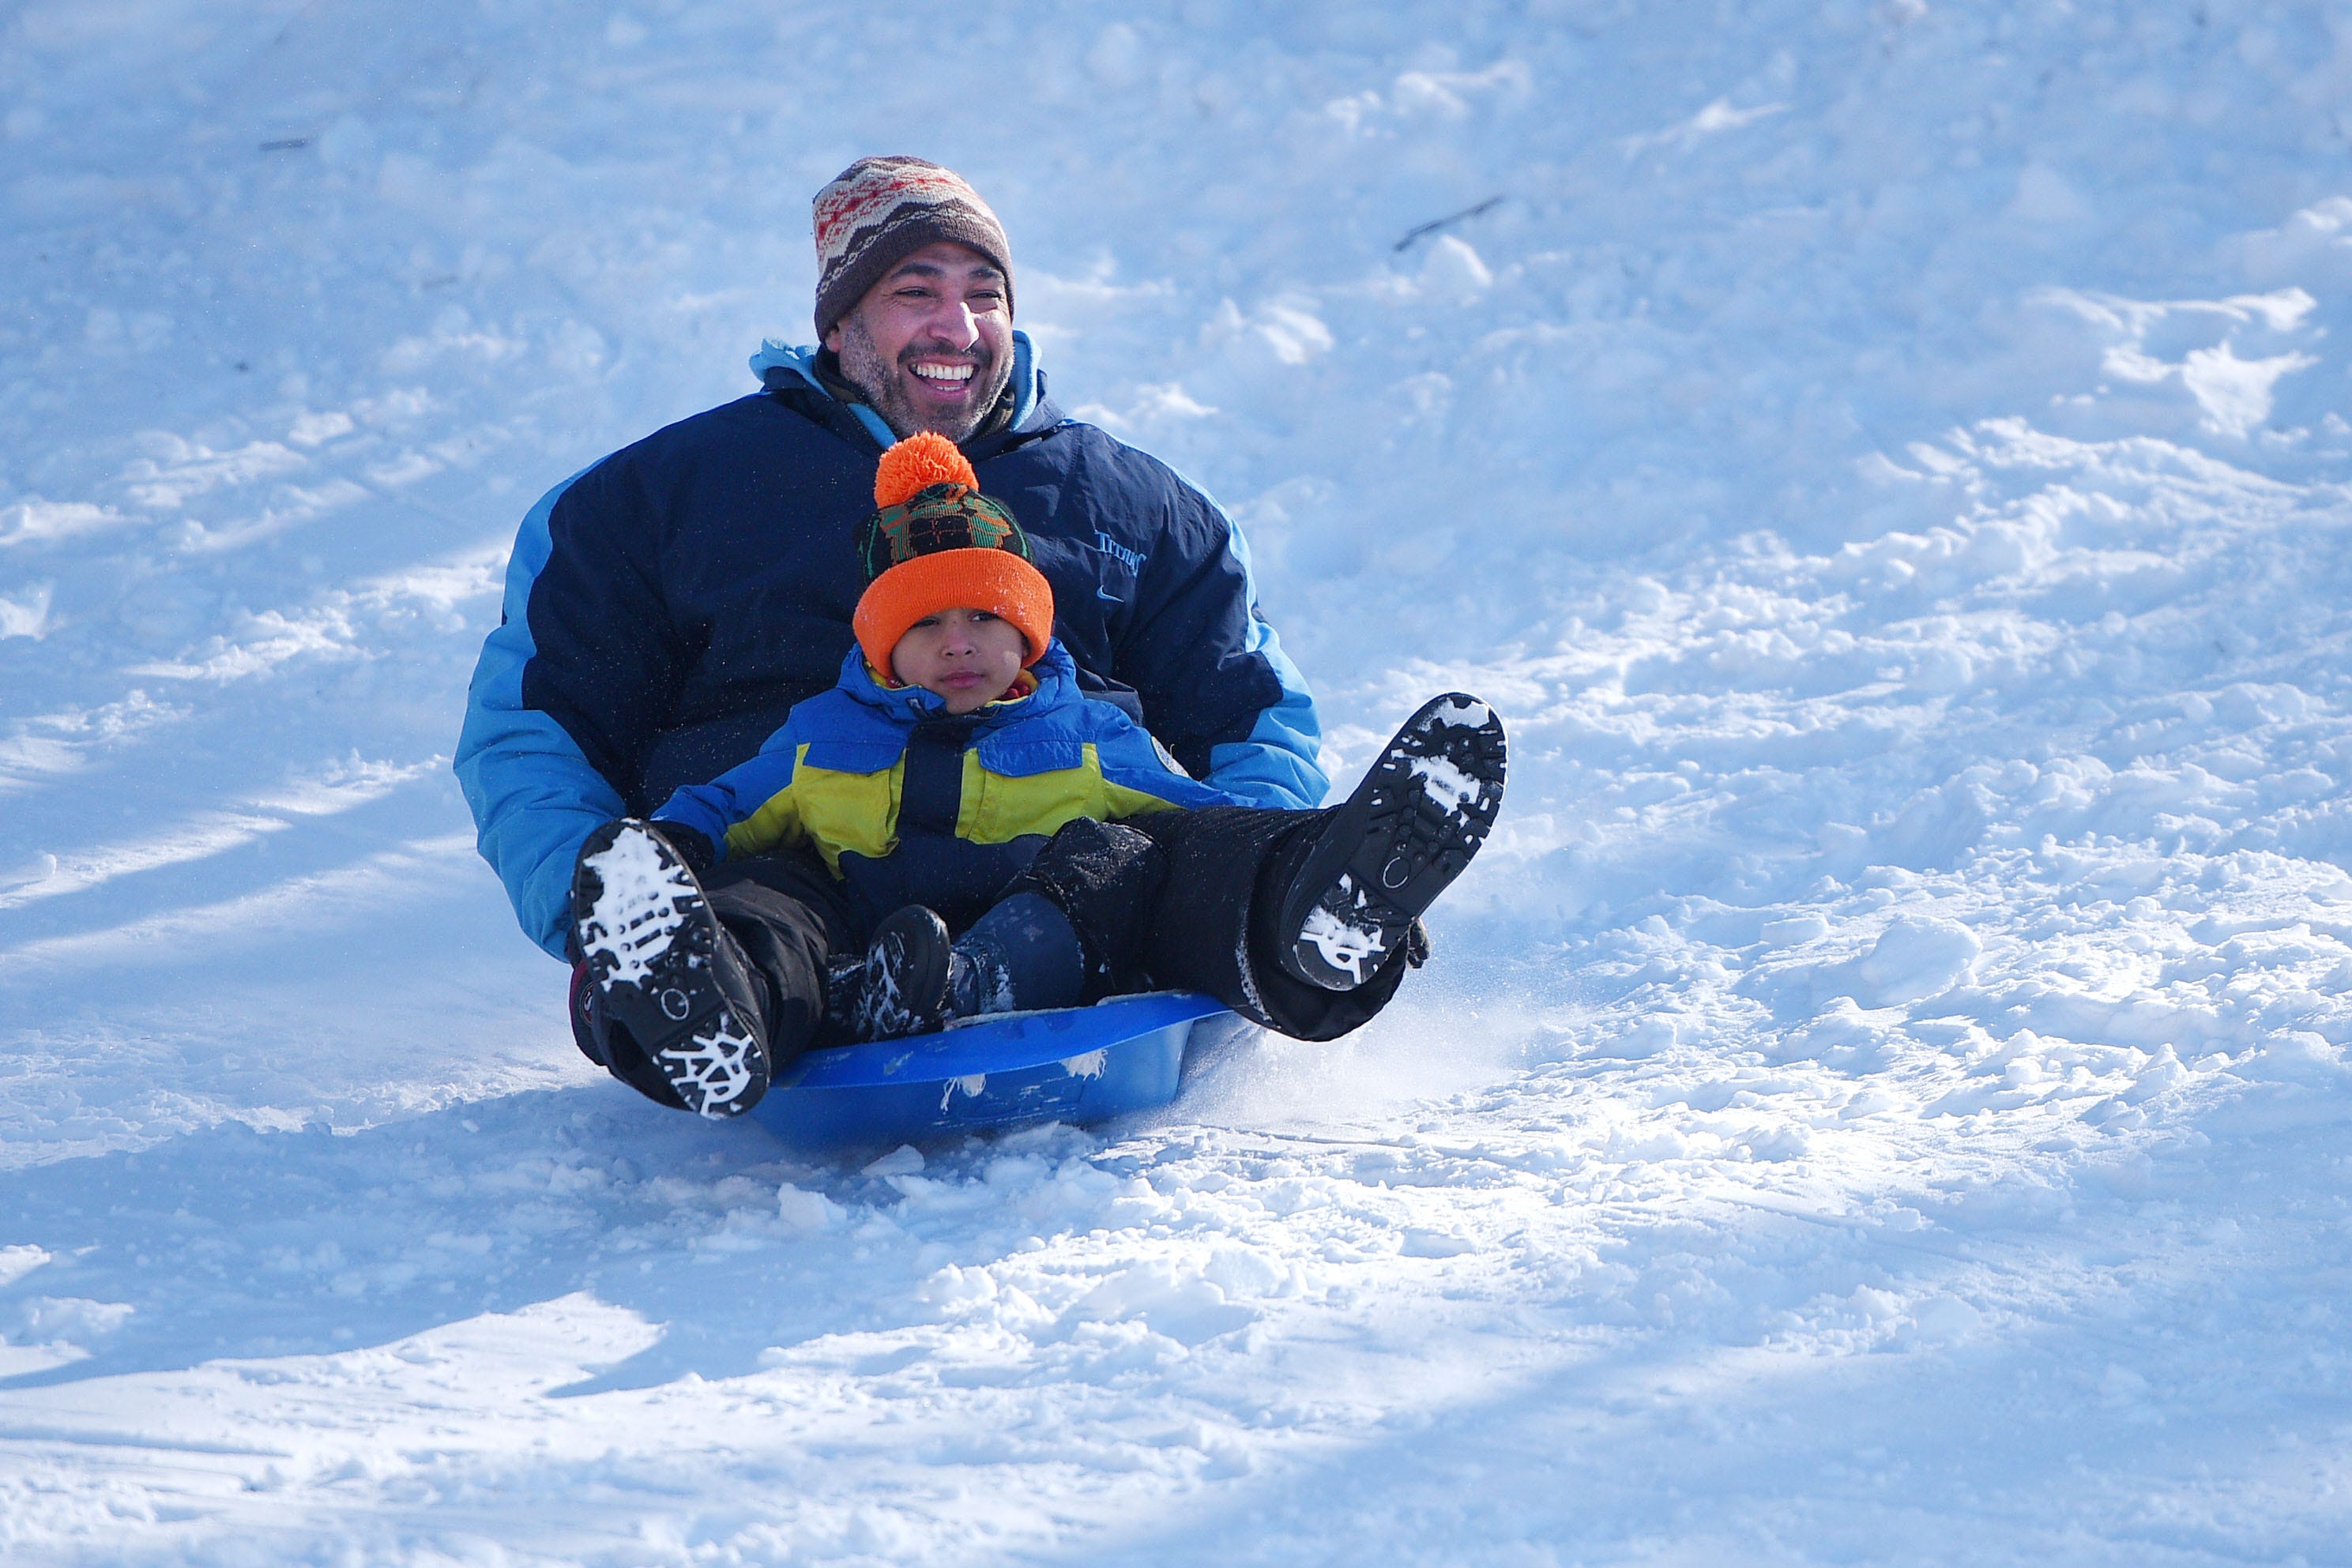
(833, 336)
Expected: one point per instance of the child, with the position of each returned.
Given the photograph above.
(956, 779)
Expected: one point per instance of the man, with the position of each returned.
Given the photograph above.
(665, 607)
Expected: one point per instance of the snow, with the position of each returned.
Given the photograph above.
(1461, 713)
(640, 897)
(1444, 783)
(1340, 942)
(1880, 1095)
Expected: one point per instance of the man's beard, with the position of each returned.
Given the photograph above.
(863, 367)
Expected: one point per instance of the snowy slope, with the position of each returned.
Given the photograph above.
(1882, 1096)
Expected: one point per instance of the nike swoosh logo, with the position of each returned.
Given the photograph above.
(1102, 592)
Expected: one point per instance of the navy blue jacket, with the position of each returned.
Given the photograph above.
(666, 608)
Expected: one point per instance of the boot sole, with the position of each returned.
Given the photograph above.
(650, 941)
(1408, 831)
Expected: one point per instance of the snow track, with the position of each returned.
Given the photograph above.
(1881, 1094)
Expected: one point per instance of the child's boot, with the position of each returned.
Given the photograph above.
(1023, 954)
(902, 987)
(666, 971)
(1404, 836)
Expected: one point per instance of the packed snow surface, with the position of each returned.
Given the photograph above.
(1881, 1092)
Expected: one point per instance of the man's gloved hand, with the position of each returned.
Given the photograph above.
(1416, 945)
(693, 846)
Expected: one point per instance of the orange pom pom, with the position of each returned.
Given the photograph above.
(926, 457)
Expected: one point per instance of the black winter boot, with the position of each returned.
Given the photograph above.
(1023, 954)
(1404, 836)
(665, 972)
(903, 987)
(844, 987)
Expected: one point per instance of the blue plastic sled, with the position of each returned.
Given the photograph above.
(1076, 1064)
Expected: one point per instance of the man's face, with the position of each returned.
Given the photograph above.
(971, 657)
(930, 345)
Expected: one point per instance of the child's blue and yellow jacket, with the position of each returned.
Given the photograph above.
(909, 804)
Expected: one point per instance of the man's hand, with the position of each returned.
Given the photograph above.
(693, 846)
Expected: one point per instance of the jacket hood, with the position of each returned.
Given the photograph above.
(797, 363)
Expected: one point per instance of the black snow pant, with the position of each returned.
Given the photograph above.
(1172, 900)
(1188, 901)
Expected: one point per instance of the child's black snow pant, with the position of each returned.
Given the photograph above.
(1187, 900)
(1172, 900)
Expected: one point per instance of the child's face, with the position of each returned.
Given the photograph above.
(970, 657)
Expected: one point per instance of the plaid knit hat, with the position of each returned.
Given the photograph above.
(878, 212)
(937, 543)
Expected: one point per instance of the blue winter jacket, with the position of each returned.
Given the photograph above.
(667, 607)
(910, 804)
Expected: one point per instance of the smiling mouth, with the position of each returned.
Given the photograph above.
(944, 377)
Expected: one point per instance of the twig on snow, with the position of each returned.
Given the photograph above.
(1434, 224)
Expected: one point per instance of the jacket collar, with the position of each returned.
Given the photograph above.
(779, 365)
(1057, 682)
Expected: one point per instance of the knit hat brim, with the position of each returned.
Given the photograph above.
(995, 581)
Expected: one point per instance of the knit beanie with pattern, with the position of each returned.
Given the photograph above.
(879, 210)
(937, 543)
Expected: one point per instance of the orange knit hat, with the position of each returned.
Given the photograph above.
(937, 543)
